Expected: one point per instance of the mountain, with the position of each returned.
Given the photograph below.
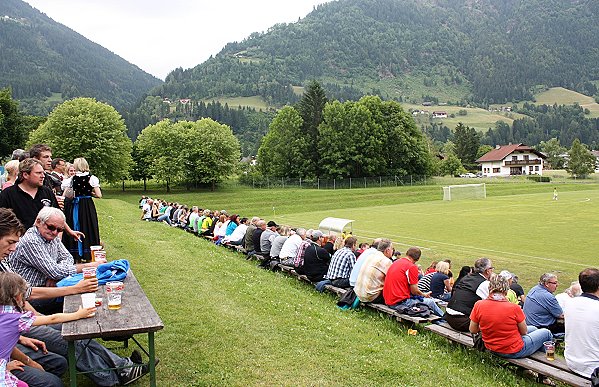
(45, 62)
(456, 51)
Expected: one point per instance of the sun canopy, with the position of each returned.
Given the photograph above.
(334, 224)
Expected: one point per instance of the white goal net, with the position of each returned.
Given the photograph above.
(465, 191)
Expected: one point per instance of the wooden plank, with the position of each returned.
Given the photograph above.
(338, 291)
(136, 315)
(554, 373)
(451, 334)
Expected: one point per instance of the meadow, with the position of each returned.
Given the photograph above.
(230, 323)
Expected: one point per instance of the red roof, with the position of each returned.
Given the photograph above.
(503, 151)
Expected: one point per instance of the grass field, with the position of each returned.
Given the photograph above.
(229, 323)
(256, 102)
(563, 96)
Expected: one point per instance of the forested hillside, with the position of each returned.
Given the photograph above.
(484, 51)
(45, 63)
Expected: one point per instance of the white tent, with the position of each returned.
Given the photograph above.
(328, 225)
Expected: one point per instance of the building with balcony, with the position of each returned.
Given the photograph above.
(512, 159)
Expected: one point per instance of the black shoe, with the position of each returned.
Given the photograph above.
(134, 373)
(137, 359)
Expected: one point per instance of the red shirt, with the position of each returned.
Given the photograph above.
(400, 276)
(498, 322)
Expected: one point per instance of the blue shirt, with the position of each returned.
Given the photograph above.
(541, 307)
(353, 277)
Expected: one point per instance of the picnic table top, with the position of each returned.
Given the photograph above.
(136, 315)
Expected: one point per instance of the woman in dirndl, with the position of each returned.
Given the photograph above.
(81, 211)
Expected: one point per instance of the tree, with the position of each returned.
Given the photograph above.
(310, 108)
(467, 141)
(283, 152)
(554, 152)
(84, 127)
(452, 166)
(12, 133)
(483, 150)
(140, 169)
(581, 162)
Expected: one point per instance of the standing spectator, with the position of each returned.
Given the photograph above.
(43, 153)
(582, 326)
(12, 170)
(541, 307)
(401, 283)
(342, 263)
(81, 210)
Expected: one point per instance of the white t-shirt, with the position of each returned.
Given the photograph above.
(289, 249)
(581, 317)
(147, 209)
(562, 299)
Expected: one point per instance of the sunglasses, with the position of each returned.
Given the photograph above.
(54, 228)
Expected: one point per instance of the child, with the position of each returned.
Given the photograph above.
(13, 321)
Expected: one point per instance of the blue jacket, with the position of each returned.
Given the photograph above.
(106, 272)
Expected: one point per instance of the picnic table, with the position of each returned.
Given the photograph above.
(135, 316)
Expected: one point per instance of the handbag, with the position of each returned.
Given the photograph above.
(69, 193)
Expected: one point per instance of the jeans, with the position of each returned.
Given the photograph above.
(54, 365)
(533, 341)
(165, 218)
(91, 357)
(428, 301)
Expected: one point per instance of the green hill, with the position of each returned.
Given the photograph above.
(561, 96)
(45, 62)
(488, 51)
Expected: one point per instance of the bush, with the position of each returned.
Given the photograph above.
(539, 179)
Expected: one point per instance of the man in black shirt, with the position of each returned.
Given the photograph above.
(28, 195)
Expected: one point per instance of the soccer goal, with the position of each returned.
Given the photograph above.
(465, 191)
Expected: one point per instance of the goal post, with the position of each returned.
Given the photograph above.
(465, 191)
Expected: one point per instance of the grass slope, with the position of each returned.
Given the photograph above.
(229, 323)
(562, 96)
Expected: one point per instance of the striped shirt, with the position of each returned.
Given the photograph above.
(424, 284)
(341, 264)
(37, 259)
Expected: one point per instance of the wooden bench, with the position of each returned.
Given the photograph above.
(401, 317)
(556, 369)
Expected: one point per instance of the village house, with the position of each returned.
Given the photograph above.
(439, 114)
(512, 159)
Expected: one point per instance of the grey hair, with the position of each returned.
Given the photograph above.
(498, 284)
(574, 290)
(547, 277)
(384, 244)
(482, 264)
(301, 232)
(48, 212)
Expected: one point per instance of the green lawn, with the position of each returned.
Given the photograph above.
(562, 96)
(256, 102)
(229, 323)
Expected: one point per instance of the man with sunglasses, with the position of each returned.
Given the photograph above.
(541, 307)
(41, 258)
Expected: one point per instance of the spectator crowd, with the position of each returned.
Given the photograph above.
(494, 306)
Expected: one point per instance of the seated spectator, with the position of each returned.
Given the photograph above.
(471, 288)
(432, 268)
(301, 249)
(330, 243)
(236, 238)
(266, 238)
(342, 262)
(220, 228)
(41, 258)
(192, 224)
(146, 210)
(353, 277)
(582, 325)
(424, 282)
(316, 259)
(184, 217)
(361, 248)
(206, 224)
(289, 249)
(248, 243)
(371, 278)
(573, 291)
(440, 282)
(401, 284)
(464, 271)
(515, 286)
(277, 244)
(503, 324)
(541, 307)
(260, 227)
(511, 295)
(166, 214)
(232, 225)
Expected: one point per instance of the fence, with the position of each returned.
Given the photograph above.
(341, 183)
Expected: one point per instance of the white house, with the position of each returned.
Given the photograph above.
(439, 114)
(513, 159)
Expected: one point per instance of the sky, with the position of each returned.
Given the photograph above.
(159, 36)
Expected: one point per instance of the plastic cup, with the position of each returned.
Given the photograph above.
(89, 272)
(100, 255)
(88, 300)
(114, 291)
(549, 350)
(93, 250)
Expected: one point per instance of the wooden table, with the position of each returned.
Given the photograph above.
(135, 316)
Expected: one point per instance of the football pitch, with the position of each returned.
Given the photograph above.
(528, 234)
